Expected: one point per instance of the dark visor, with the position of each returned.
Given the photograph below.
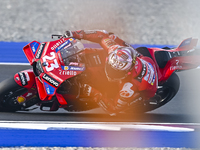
(113, 73)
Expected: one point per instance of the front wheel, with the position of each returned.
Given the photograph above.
(9, 91)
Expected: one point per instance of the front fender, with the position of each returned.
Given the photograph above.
(25, 78)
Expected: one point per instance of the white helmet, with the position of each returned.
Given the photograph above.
(120, 62)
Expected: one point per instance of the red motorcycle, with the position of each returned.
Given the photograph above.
(60, 67)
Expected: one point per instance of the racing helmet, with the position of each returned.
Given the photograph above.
(119, 63)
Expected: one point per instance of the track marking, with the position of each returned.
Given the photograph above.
(114, 126)
(18, 64)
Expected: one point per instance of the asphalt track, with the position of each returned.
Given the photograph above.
(184, 108)
(181, 112)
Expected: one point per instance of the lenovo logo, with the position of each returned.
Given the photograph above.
(50, 80)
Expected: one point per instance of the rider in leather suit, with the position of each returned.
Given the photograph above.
(135, 73)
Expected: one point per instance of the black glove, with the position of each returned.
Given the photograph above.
(88, 90)
(110, 33)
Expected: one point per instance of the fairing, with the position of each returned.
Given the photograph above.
(53, 70)
(183, 57)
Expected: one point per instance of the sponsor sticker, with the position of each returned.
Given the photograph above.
(73, 64)
(23, 78)
(147, 74)
(152, 73)
(71, 39)
(49, 89)
(75, 68)
(126, 91)
(65, 67)
(40, 50)
(50, 80)
(62, 45)
(21, 99)
(67, 72)
(27, 76)
(152, 83)
(144, 69)
(34, 47)
(57, 44)
(176, 68)
(108, 42)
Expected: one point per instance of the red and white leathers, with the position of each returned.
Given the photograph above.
(141, 82)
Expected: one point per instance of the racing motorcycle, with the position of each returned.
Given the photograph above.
(60, 67)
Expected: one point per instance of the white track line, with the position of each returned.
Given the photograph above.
(112, 126)
(18, 64)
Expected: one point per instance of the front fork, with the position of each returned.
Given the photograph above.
(26, 79)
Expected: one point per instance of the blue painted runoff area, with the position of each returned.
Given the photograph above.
(95, 138)
(12, 52)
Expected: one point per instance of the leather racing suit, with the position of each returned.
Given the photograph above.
(140, 84)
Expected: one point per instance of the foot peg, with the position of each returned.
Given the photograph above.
(155, 100)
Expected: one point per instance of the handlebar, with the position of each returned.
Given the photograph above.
(57, 35)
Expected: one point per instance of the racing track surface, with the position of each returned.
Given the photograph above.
(182, 109)
(146, 22)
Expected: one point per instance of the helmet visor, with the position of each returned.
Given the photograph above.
(114, 74)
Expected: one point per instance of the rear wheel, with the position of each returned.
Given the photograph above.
(164, 94)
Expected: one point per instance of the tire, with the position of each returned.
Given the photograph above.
(167, 91)
(9, 90)
(144, 51)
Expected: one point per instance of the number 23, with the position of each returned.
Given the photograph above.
(52, 65)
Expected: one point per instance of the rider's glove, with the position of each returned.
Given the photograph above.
(68, 34)
(74, 34)
(110, 33)
(88, 90)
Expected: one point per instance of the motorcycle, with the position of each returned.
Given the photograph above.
(60, 67)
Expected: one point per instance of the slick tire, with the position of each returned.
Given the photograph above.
(167, 91)
(9, 90)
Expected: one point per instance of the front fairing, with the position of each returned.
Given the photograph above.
(48, 67)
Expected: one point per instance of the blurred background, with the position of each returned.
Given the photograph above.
(135, 21)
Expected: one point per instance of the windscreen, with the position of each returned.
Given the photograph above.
(70, 52)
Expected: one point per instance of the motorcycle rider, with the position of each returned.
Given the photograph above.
(135, 73)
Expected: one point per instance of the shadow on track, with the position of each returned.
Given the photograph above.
(96, 117)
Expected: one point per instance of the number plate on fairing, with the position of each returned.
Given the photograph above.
(54, 72)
